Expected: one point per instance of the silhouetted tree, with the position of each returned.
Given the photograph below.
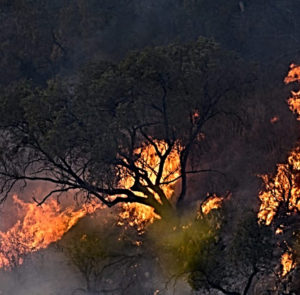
(85, 137)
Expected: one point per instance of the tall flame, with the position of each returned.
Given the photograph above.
(138, 215)
(284, 188)
(39, 227)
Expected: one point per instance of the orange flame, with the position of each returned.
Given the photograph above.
(287, 263)
(285, 186)
(213, 202)
(138, 215)
(40, 227)
(294, 103)
(293, 74)
(294, 100)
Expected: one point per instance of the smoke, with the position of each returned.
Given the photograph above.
(60, 36)
(267, 33)
(52, 271)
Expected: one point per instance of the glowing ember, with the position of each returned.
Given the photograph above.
(39, 227)
(274, 120)
(287, 263)
(213, 202)
(138, 215)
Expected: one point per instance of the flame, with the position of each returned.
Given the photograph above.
(139, 215)
(213, 202)
(287, 263)
(285, 186)
(294, 103)
(294, 100)
(39, 227)
(293, 74)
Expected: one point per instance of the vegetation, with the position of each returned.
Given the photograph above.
(85, 137)
(158, 104)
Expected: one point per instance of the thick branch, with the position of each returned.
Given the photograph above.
(250, 279)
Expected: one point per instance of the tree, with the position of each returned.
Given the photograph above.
(252, 252)
(190, 249)
(111, 260)
(91, 256)
(217, 256)
(89, 135)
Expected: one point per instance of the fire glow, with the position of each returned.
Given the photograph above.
(41, 226)
(294, 100)
(45, 224)
(287, 263)
(285, 186)
(213, 202)
(139, 215)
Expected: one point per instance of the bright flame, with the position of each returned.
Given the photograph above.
(293, 74)
(41, 226)
(285, 186)
(294, 100)
(287, 263)
(213, 202)
(138, 215)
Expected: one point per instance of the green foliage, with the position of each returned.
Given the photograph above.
(83, 133)
(213, 253)
(12, 111)
(87, 253)
(190, 247)
(40, 39)
(108, 257)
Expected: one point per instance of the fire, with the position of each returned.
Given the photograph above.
(287, 263)
(294, 100)
(213, 202)
(272, 197)
(39, 227)
(138, 215)
(284, 188)
(293, 74)
(294, 103)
